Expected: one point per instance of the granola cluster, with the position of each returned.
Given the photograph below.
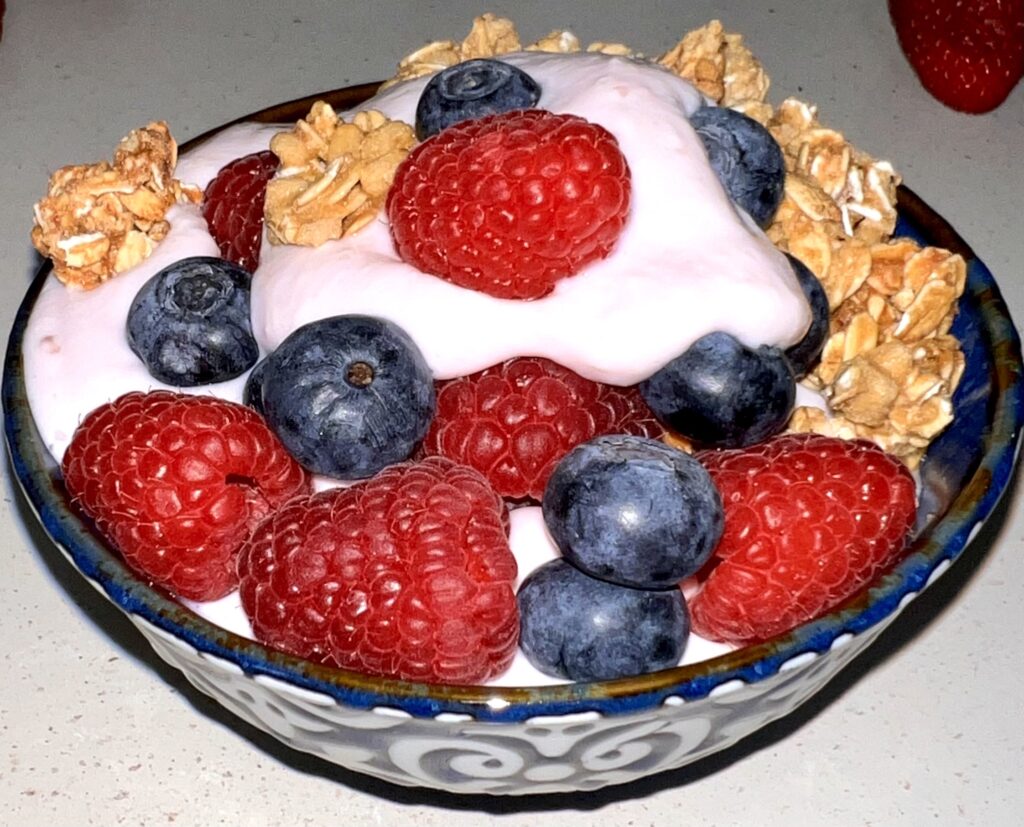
(890, 366)
(720, 66)
(334, 175)
(491, 36)
(98, 220)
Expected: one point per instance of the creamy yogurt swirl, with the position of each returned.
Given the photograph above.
(687, 263)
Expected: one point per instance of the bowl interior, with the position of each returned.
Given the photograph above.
(962, 477)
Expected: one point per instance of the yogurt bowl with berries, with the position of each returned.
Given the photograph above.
(431, 689)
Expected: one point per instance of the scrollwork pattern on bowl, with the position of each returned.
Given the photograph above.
(543, 754)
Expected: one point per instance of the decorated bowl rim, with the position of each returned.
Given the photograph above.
(39, 478)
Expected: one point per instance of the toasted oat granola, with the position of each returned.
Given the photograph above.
(334, 175)
(98, 220)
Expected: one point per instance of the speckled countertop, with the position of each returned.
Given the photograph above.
(926, 728)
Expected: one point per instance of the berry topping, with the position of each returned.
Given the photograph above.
(471, 90)
(190, 323)
(348, 395)
(969, 56)
(177, 483)
(513, 422)
(745, 157)
(809, 520)
(804, 354)
(233, 207)
(407, 575)
(722, 393)
(633, 511)
(580, 628)
(509, 204)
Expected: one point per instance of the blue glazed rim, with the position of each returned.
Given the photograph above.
(963, 476)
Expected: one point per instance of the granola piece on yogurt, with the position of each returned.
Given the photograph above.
(334, 175)
(98, 220)
(489, 36)
(719, 65)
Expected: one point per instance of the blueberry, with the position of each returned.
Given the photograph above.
(578, 627)
(722, 393)
(804, 354)
(745, 157)
(252, 394)
(633, 511)
(471, 90)
(190, 323)
(348, 395)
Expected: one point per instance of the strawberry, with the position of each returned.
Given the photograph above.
(508, 204)
(809, 520)
(176, 484)
(408, 575)
(513, 422)
(968, 55)
(233, 207)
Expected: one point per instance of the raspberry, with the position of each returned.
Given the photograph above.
(513, 422)
(233, 207)
(176, 484)
(809, 520)
(509, 204)
(407, 575)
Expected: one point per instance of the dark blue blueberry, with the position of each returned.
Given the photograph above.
(252, 394)
(471, 90)
(580, 628)
(190, 323)
(348, 395)
(745, 157)
(722, 393)
(633, 511)
(804, 354)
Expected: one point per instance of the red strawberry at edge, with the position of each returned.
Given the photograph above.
(513, 422)
(509, 204)
(233, 207)
(809, 520)
(177, 483)
(969, 55)
(407, 575)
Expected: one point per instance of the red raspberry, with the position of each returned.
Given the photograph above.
(176, 483)
(509, 204)
(513, 422)
(406, 575)
(809, 520)
(233, 207)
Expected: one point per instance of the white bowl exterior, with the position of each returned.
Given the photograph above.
(540, 755)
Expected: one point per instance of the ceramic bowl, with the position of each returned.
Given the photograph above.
(576, 737)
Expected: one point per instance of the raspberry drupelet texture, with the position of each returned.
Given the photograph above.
(509, 204)
(513, 422)
(233, 207)
(177, 483)
(809, 520)
(407, 575)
